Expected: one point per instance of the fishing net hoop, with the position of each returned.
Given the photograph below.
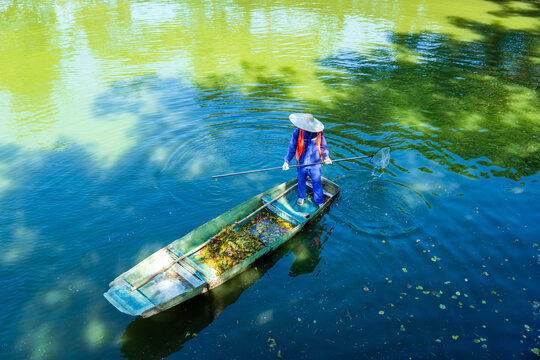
(381, 158)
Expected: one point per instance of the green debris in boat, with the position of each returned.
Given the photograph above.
(267, 226)
(230, 247)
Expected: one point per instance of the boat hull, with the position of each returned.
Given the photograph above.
(188, 277)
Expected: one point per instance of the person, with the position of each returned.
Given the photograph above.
(309, 146)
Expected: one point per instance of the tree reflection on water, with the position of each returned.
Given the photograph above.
(470, 105)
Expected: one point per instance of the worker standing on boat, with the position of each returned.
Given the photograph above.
(309, 145)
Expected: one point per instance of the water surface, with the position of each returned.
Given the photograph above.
(114, 115)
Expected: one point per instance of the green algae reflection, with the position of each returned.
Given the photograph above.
(463, 77)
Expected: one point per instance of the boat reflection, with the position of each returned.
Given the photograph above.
(167, 332)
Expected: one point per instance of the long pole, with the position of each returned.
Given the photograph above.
(292, 166)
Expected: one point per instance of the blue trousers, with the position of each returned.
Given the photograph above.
(315, 173)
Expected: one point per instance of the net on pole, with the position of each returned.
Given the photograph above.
(381, 157)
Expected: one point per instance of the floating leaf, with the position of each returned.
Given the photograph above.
(455, 337)
(442, 306)
(404, 269)
(381, 312)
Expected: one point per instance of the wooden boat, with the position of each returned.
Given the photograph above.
(145, 290)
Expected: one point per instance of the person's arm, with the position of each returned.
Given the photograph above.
(324, 148)
(292, 146)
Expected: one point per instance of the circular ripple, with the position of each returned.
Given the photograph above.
(195, 156)
(377, 206)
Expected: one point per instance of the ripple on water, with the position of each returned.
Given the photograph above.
(195, 155)
(378, 207)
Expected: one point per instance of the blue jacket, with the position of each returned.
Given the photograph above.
(311, 153)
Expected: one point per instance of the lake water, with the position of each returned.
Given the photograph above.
(114, 115)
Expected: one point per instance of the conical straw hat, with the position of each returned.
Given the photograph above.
(306, 122)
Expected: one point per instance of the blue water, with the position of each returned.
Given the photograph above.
(436, 256)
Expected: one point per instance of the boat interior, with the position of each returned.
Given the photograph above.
(188, 274)
(269, 227)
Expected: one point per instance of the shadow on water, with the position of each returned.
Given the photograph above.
(471, 106)
(509, 11)
(167, 332)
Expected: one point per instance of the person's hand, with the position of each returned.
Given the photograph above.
(285, 166)
(328, 161)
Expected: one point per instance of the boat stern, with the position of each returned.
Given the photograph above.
(179, 282)
(129, 302)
